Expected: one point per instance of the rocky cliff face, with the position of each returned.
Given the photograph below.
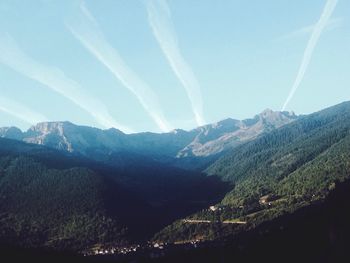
(73, 138)
(223, 135)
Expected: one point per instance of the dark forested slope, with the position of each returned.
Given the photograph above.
(66, 209)
(53, 199)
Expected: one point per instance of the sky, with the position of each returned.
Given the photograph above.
(156, 65)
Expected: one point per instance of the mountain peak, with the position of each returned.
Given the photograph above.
(267, 111)
(11, 133)
(52, 124)
(56, 127)
(269, 114)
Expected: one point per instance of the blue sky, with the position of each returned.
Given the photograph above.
(142, 65)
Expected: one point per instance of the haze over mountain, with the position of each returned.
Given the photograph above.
(205, 141)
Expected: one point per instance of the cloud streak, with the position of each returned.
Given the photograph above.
(159, 18)
(20, 111)
(331, 24)
(85, 28)
(316, 33)
(54, 79)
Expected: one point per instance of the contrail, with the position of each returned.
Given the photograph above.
(331, 24)
(159, 18)
(316, 33)
(85, 28)
(20, 111)
(55, 79)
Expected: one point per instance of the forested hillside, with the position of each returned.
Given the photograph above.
(279, 172)
(302, 158)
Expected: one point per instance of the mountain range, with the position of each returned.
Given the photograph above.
(206, 141)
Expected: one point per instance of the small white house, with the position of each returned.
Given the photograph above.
(213, 208)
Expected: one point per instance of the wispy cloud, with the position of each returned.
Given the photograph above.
(85, 28)
(159, 18)
(331, 24)
(316, 33)
(55, 79)
(20, 111)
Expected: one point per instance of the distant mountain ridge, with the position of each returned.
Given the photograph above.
(203, 141)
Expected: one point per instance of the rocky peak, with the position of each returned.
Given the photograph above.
(276, 118)
(51, 127)
(267, 112)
